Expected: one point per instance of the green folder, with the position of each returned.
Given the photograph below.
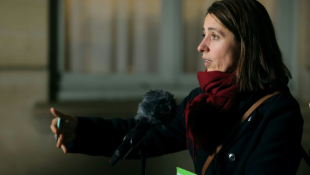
(181, 171)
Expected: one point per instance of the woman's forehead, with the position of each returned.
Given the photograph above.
(211, 23)
(211, 20)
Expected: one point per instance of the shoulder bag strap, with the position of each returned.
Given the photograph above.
(246, 114)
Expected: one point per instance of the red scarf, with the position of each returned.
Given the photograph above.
(208, 116)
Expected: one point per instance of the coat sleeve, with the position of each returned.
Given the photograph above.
(279, 149)
(97, 136)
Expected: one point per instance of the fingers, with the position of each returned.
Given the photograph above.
(58, 114)
(54, 126)
(64, 149)
(60, 140)
(61, 144)
(69, 120)
(309, 105)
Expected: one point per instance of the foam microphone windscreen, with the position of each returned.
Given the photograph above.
(158, 106)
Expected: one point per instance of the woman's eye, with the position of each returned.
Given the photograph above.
(203, 35)
(214, 37)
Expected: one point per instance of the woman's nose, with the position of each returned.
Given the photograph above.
(203, 46)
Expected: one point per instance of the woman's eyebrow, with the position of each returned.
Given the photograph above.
(214, 29)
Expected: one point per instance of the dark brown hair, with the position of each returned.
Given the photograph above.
(260, 64)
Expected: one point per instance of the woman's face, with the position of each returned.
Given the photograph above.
(219, 49)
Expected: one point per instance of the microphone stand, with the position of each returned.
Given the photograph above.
(133, 139)
(143, 153)
(141, 145)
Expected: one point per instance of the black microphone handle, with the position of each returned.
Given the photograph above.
(131, 140)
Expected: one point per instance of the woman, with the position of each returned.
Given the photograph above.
(244, 64)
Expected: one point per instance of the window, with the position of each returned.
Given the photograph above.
(110, 49)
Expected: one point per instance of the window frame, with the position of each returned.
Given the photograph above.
(83, 86)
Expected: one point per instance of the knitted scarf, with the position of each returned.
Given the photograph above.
(209, 116)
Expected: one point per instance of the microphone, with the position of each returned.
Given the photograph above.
(157, 108)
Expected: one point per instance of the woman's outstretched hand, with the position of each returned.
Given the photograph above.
(66, 133)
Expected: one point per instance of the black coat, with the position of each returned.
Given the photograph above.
(268, 142)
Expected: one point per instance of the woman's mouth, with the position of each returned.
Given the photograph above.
(207, 62)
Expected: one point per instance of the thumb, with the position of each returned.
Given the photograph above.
(58, 114)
